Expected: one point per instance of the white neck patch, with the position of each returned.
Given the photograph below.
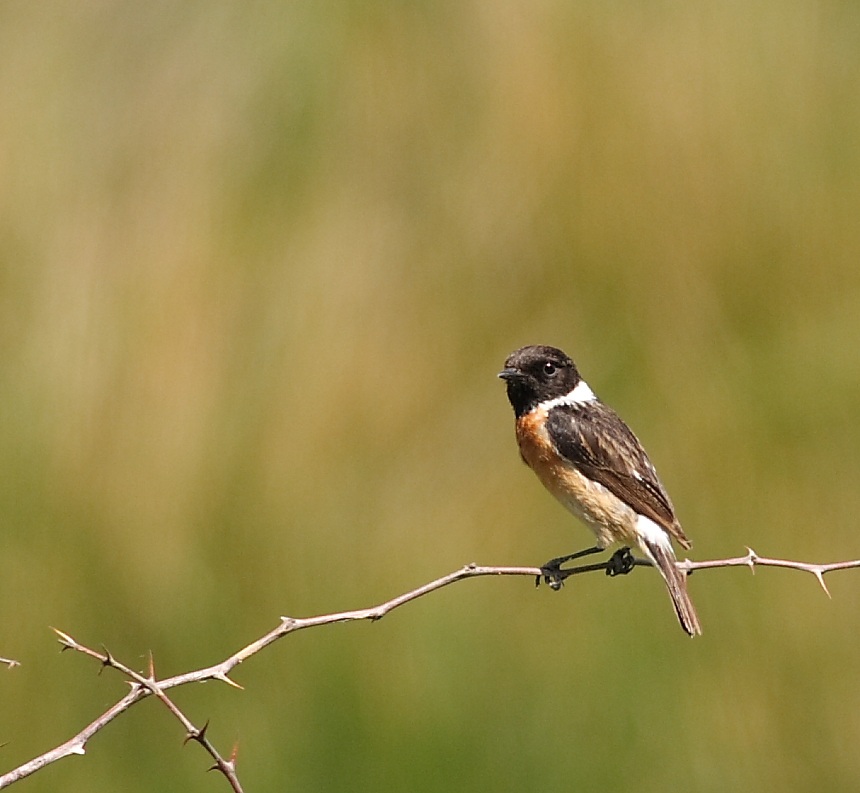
(581, 394)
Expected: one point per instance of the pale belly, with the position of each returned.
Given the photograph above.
(607, 516)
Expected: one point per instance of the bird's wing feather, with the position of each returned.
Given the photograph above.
(603, 448)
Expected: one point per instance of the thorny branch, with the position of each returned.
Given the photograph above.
(150, 685)
(143, 686)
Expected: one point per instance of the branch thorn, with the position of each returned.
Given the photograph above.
(64, 639)
(224, 679)
(108, 659)
(197, 735)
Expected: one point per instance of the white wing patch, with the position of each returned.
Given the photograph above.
(650, 531)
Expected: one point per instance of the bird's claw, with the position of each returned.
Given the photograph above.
(620, 563)
(552, 574)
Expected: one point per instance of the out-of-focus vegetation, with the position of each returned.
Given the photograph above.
(259, 266)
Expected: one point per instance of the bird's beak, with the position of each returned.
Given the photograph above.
(509, 374)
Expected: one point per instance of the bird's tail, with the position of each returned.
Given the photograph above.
(663, 558)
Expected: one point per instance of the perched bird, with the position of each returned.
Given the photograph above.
(589, 459)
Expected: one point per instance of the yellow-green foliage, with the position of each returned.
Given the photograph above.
(259, 266)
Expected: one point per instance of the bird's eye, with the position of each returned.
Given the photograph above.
(549, 368)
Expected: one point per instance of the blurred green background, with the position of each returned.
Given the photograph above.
(259, 266)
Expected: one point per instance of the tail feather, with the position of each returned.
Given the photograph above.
(663, 558)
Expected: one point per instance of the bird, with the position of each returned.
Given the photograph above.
(590, 460)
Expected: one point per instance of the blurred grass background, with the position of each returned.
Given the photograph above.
(259, 266)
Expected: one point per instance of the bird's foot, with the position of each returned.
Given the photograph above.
(551, 571)
(620, 563)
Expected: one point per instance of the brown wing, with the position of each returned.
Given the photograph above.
(603, 448)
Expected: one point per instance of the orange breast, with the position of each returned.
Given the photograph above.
(536, 448)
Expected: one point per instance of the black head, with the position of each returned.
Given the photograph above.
(537, 373)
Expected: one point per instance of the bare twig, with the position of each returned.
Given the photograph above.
(145, 686)
(753, 560)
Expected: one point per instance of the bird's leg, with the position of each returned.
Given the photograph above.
(620, 563)
(552, 573)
